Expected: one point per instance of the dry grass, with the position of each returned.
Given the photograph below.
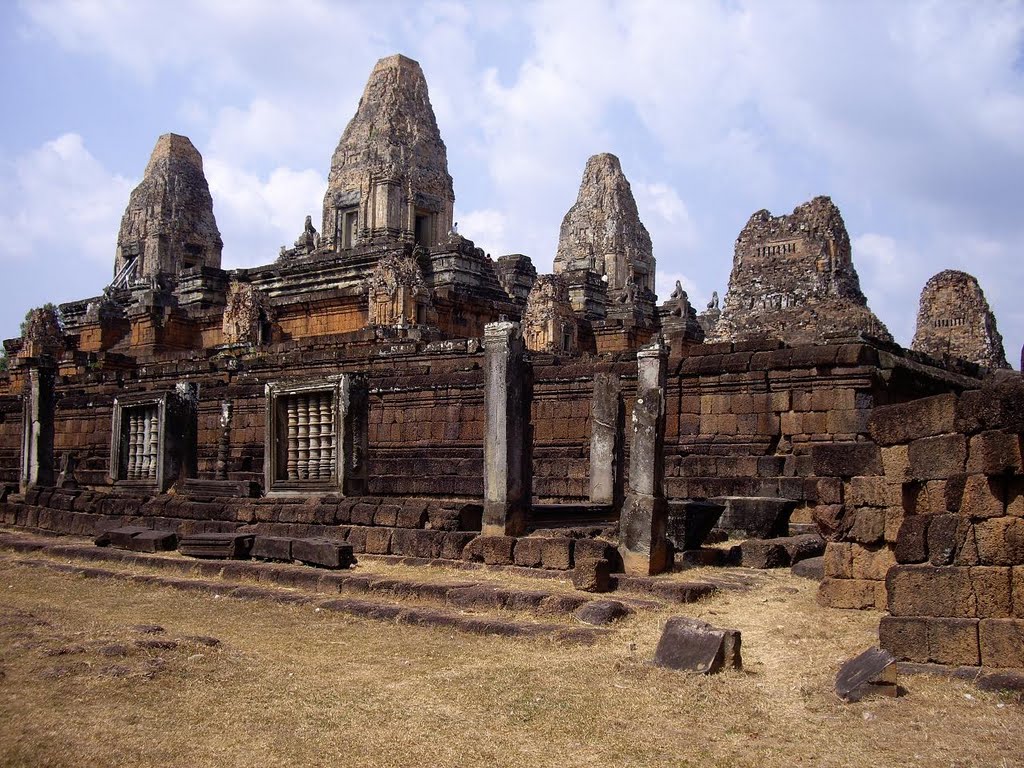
(293, 686)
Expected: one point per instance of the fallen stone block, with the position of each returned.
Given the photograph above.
(763, 554)
(696, 558)
(153, 541)
(690, 645)
(803, 546)
(601, 612)
(323, 553)
(118, 537)
(492, 550)
(872, 672)
(220, 546)
(277, 548)
(811, 568)
(755, 517)
(690, 522)
(592, 575)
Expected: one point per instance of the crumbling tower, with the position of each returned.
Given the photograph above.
(389, 174)
(954, 318)
(793, 278)
(169, 224)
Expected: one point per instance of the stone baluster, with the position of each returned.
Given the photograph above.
(326, 438)
(303, 460)
(293, 439)
(314, 436)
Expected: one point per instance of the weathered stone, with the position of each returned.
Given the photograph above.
(398, 293)
(755, 517)
(846, 459)
(153, 541)
(954, 319)
(924, 590)
(871, 672)
(811, 568)
(493, 550)
(324, 553)
(856, 594)
(904, 422)
(763, 553)
(691, 645)
(168, 225)
(556, 553)
(690, 522)
(942, 539)
(592, 575)
(838, 560)
(912, 540)
(936, 458)
(1000, 541)
(389, 174)
(272, 548)
(225, 546)
(549, 324)
(1002, 643)
(994, 453)
(793, 278)
(606, 434)
(872, 562)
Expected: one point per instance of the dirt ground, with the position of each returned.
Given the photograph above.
(100, 673)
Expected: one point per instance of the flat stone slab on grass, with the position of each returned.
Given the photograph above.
(119, 537)
(871, 672)
(277, 548)
(324, 553)
(217, 546)
(691, 645)
(153, 541)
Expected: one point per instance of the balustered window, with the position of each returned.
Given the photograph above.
(153, 437)
(140, 430)
(304, 445)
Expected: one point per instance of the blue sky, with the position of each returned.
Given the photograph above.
(910, 115)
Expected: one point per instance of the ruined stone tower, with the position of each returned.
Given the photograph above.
(793, 278)
(603, 233)
(389, 174)
(169, 224)
(954, 319)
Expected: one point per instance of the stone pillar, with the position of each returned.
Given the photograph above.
(507, 486)
(355, 417)
(606, 427)
(37, 428)
(644, 516)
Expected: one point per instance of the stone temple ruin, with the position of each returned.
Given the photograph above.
(386, 384)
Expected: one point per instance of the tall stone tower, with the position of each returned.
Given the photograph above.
(954, 318)
(389, 175)
(793, 278)
(169, 223)
(603, 233)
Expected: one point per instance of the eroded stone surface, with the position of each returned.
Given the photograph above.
(169, 223)
(603, 233)
(389, 174)
(793, 278)
(954, 318)
(549, 324)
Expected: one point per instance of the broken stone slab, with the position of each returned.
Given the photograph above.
(592, 574)
(691, 645)
(324, 553)
(153, 541)
(690, 522)
(277, 548)
(762, 554)
(871, 672)
(219, 546)
(118, 537)
(755, 517)
(697, 558)
(811, 568)
(601, 612)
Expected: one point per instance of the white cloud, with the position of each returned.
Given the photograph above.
(59, 200)
(665, 284)
(487, 229)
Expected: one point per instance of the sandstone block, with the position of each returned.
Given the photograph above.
(896, 463)
(994, 453)
(1015, 496)
(838, 562)
(936, 458)
(994, 406)
(601, 612)
(598, 549)
(1002, 642)
(953, 641)
(924, 590)
(870, 673)
(378, 541)
(865, 526)
(592, 575)
(872, 491)
(905, 637)
(828, 518)
(763, 553)
(528, 552)
(324, 553)
(493, 550)
(454, 542)
(556, 553)
(992, 589)
(1017, 590)
(846, 459)
(905, 422)
(983, 497)
(872, 562)
(694, 646)
(272, 548)
(912, 540)
(858, 594)
(1000, 541)
(942, 539)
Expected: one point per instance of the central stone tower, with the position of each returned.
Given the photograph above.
(389, 175)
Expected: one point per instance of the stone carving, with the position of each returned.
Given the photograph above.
(549, 324)
(954, 318)
(398, 293)
(389, 174)
(516, 274)
(68, 465)
(708, 319)
(679, 319)
(603, 233)
(169, 224)
(42, 332)
(793, 278)
(247, 316)
(309, 240)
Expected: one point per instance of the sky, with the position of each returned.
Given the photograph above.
(909, 115)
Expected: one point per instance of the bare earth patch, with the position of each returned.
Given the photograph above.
(112, 673)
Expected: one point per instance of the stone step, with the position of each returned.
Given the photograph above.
(380, 610)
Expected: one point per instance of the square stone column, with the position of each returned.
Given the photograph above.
(606, 435)
(507, 470)
(37, 428)
(644, 516)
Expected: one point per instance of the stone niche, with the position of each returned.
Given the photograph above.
(398, 293)
(549, 324)
(153, 438)
(316, 438)
(954, 319)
